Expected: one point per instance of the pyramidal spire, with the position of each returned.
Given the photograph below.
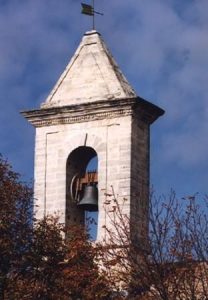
(91, 75)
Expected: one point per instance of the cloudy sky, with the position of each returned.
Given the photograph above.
(160, 45)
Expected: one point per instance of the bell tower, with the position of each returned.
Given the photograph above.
(92, 112)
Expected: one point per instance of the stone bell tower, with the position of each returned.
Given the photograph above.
(93, 111)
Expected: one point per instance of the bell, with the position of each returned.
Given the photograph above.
(89, 201)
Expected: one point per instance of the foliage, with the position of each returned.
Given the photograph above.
(37, 261)
(172, 262)
(44, 260)
(55, 268)
(15, 221)
(41, 270)
(82, 268)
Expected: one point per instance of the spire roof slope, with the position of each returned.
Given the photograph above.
(91, 75)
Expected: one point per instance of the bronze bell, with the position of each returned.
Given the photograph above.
(89, 201)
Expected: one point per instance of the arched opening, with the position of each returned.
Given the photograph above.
(81, 188)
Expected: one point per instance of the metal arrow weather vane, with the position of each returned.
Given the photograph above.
(90, 11)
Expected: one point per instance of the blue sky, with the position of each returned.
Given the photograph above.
(161, 47)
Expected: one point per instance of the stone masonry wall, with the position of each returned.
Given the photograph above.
(110, 138)
(139, 178)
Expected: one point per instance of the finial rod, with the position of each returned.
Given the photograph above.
(93, 22)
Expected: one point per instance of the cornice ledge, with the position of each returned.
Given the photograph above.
(80, 113)
(147, 111)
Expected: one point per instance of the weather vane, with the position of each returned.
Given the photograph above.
(90, 11)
